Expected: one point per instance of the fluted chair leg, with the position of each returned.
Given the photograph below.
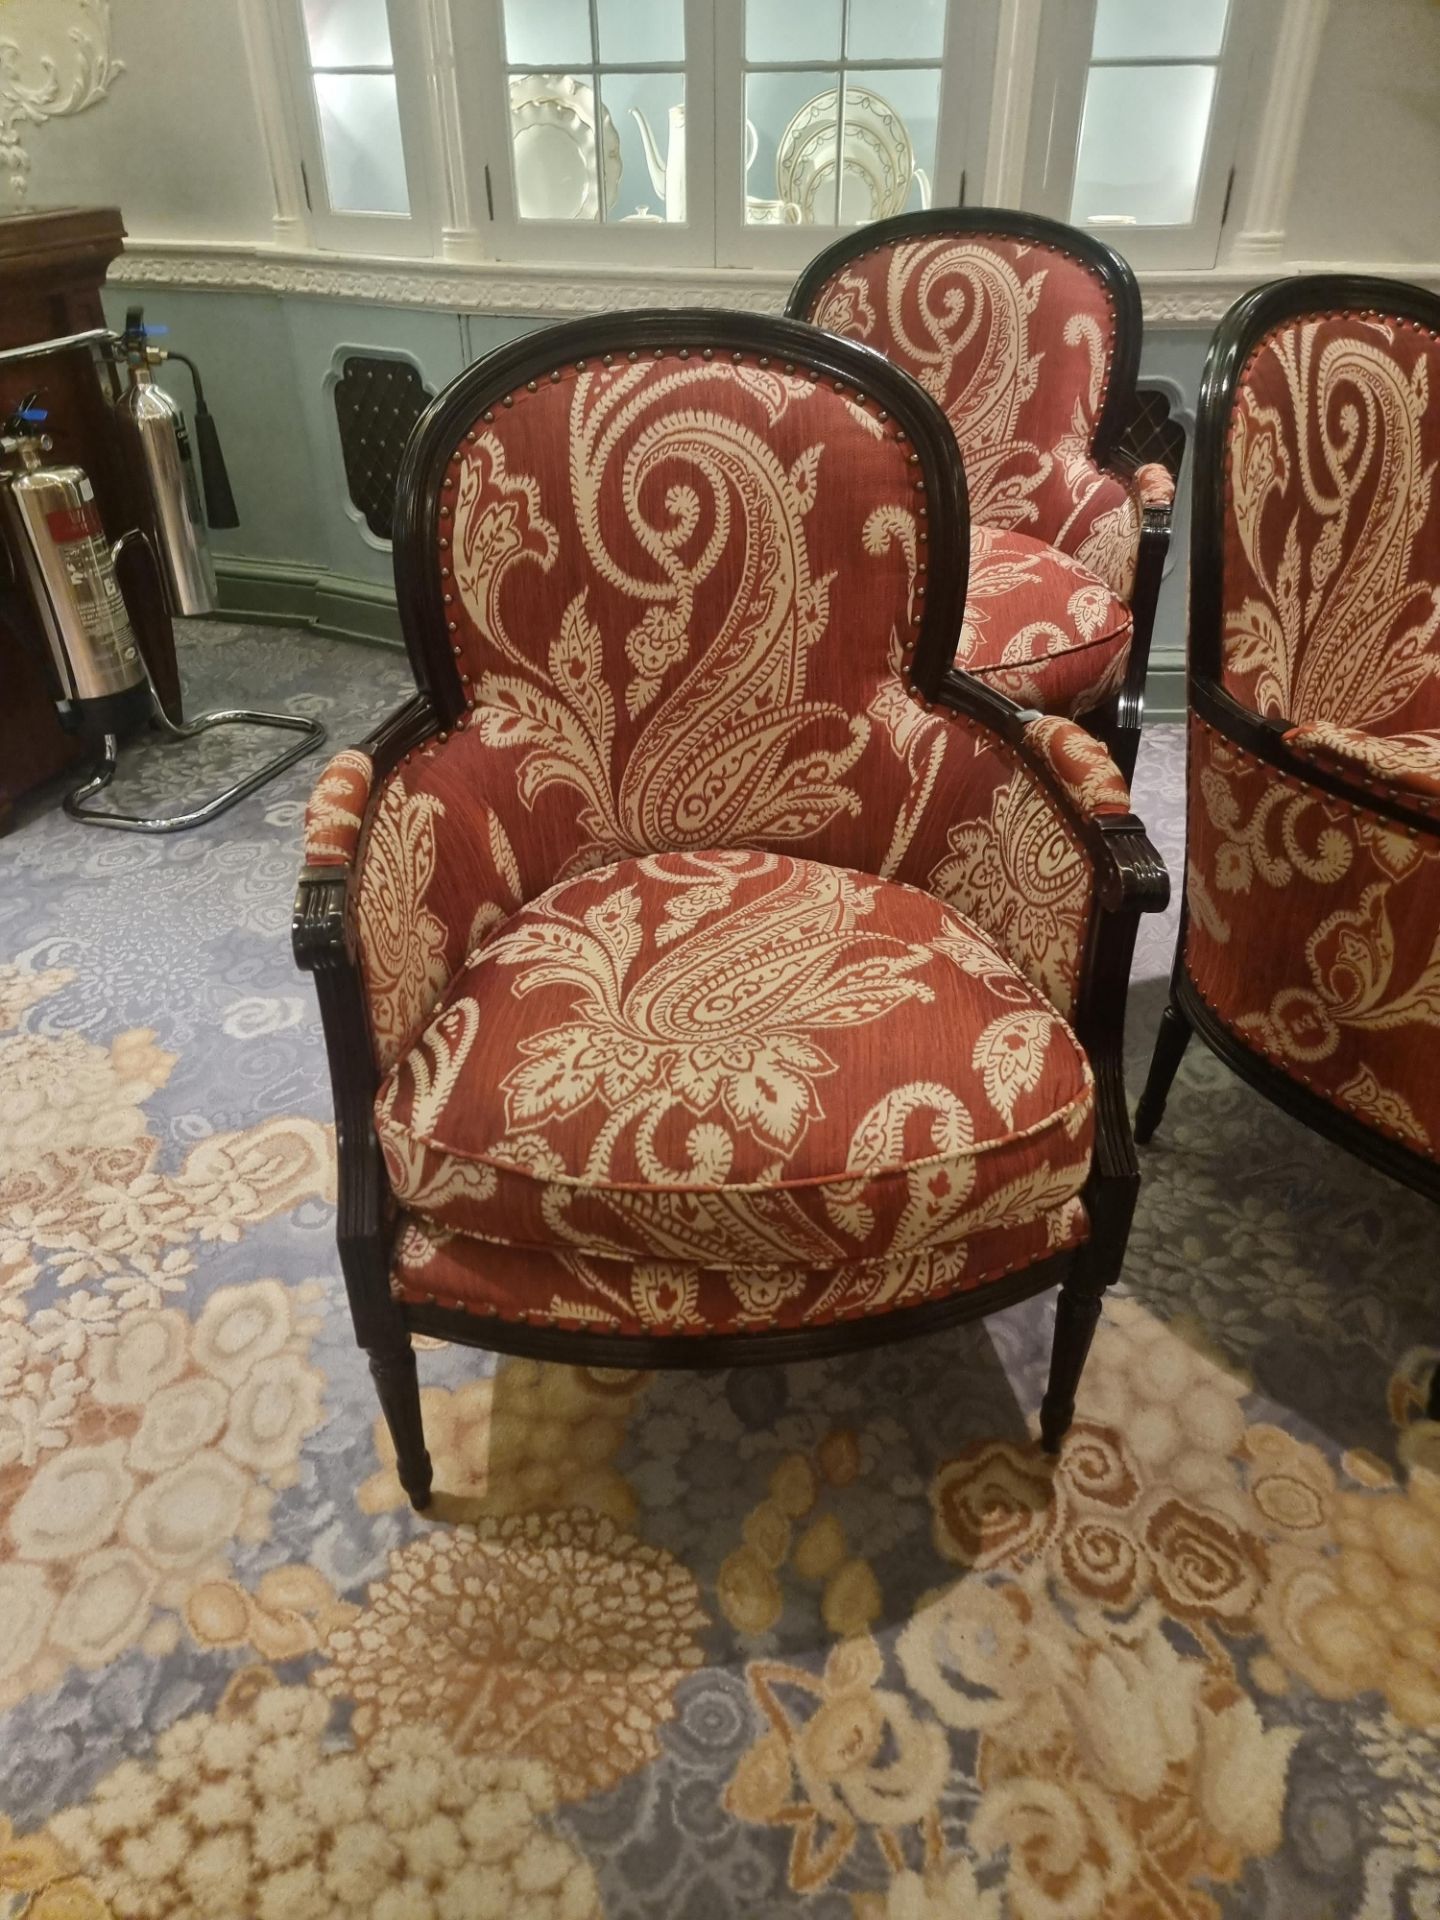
(1077, 1314)
(397, 1382)
(1170, 1045)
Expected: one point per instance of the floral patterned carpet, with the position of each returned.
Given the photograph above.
(832, 1641)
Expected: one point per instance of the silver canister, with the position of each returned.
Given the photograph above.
(60, 545)
(156, 428)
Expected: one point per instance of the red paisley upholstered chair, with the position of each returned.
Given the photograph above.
(1309, 953)
(708, 973)
(1027, 332)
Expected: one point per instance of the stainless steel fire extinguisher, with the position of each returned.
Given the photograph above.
(155, 426)
(69, 566)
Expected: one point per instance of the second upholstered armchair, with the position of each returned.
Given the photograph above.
(708, 973)
(1027, 333)
(1309, 951)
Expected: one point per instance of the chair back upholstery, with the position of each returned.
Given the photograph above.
(1027, 333)
(669, 564)
(1317, 540)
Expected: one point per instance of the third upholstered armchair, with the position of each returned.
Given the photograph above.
(1309, 952)
(1027, 333)
(709, 974)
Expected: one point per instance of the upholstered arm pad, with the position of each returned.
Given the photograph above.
(1405, 764)
(410, 824)
(1027, 831)
(1155, 487)
(1080, 765)
(336, 810)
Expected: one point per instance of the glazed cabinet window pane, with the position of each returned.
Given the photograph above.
(357, 105)
(1159, 29)
(1149, 102)
(842, 107)
(1142, 145)
(597, 109)
(348, 33)
(360, 132)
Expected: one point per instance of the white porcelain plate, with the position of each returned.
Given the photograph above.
(553, 131)
(878, 164)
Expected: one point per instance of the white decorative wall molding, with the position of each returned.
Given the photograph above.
(54, 62)
(1260, 240)
(1172, 299)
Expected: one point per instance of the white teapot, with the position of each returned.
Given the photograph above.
(667, 176)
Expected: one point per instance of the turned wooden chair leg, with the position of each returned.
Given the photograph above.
(1170, 1045)
(392, 1366)
(1077, 1313)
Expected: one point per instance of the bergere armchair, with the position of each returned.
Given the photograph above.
(1309, 949)
(1027, 332)
(708, 974)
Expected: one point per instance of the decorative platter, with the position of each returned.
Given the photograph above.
(878, 164)
(559, 160)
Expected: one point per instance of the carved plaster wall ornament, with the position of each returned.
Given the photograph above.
(54, 61)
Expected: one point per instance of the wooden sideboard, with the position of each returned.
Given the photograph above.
(52, 266)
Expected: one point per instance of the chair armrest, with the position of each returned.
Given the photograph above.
(1084, 784)
(1302, 753)
(336, 809)
(1155, 486)
(1405, 764)
(1074, 773)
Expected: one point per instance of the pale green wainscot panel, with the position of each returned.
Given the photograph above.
(241, 342)
(1173, 359)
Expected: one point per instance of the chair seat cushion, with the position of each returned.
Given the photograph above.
(1041, 627)
(737, 1059)
(579, 1291)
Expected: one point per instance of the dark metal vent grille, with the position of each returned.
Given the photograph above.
(377, 402)
(1152, 435)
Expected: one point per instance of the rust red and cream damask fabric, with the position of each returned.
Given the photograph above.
(1407, 764)
(435, 1266)
(1015, 342)
(336, 810)
(1313, 932)
(683, 597)
(738, 1059)
(1332, 534)
(1039, 626)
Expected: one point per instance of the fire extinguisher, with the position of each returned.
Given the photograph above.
(69, 567)
(155, 427)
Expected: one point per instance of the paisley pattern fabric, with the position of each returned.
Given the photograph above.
(733, 540)
(1313, 932)
(1039, 626)
(1080, 763)
(737, 1059)
(1407, 763)
(1014, 340)
(434, 1266)
(336, 809)
(1332, 533)
(1155, 485)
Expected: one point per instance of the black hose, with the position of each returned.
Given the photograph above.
(220, 508)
